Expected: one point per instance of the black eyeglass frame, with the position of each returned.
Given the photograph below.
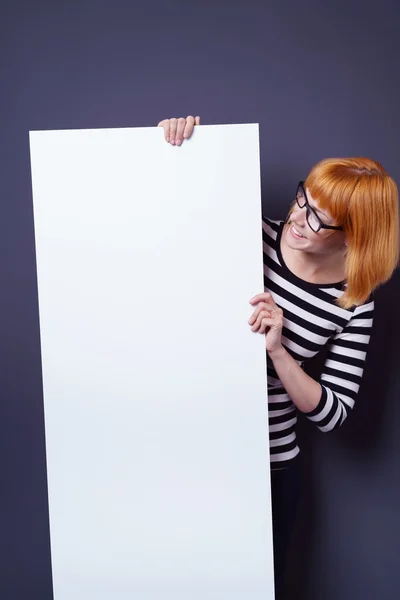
(309, 210)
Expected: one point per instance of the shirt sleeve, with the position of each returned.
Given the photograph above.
(343, 370)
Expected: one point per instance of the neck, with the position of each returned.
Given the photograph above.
(317, 265)
(325, 267)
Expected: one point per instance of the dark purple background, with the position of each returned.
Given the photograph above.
(321, 81)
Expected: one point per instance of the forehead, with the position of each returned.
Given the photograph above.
(314, 204)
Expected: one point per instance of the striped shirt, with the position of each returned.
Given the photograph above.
(312, 319)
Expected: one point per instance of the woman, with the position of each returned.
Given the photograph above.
(321, 266)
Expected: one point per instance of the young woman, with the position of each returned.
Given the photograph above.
(321, 266)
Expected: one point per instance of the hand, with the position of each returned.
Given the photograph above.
(267, 318)
(176, 130)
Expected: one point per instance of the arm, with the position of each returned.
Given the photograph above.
(343, 370)
(302, 389)
(326, 402)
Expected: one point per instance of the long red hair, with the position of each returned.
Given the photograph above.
(362, 197)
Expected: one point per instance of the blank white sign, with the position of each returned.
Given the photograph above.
(154, 385)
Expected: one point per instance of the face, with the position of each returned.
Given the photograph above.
(300, 236)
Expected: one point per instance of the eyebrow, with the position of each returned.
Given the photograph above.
(317, 210)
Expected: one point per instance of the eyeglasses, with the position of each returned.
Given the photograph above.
(313, 220)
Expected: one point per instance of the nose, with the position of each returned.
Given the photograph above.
(299, 215)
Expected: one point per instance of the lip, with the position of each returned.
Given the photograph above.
(293, 234)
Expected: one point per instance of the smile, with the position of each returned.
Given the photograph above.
(296, 233)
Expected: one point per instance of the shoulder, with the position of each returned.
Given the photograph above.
(361, 317)
(365, 310)
(271, 227)
(274, 224)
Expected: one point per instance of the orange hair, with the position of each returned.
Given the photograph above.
(363, 199)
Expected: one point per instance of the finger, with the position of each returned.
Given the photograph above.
(267, 300)
(189, 127)
(173, 124)
(265, 324)
(179, 131)
(165, 125)
(264, 297)
(256, 312)
(264, 314)
(197, 121)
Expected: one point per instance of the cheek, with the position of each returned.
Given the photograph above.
(324, 241)
(296, 210)
(315, 239)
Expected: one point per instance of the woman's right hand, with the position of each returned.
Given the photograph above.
(177, 130)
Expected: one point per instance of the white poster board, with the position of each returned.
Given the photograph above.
(154, 385)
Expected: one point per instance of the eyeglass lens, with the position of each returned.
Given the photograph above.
(312, 218)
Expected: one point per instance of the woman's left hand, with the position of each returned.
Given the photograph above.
(267, 318)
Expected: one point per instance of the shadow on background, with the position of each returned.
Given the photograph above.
(360, 439)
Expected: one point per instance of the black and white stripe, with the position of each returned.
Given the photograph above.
(312, 319)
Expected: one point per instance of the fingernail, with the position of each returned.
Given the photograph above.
(178, 142)
(172, 141)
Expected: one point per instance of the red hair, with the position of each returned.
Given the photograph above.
(363, 199)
